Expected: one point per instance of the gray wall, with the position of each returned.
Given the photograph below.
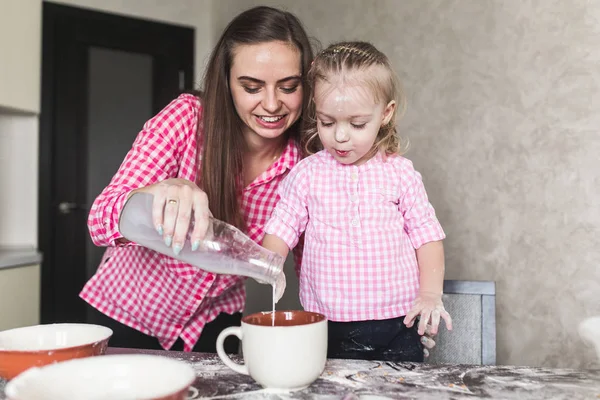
(503, 122)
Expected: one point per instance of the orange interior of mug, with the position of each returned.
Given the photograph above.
(283, 318)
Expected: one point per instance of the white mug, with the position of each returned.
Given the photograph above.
(288, 355)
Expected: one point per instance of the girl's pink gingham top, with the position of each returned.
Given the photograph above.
(362, 225)
(153, 293)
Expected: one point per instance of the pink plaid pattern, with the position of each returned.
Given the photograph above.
(153, 293)
(362, 225)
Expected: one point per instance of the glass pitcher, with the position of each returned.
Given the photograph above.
(224, 250)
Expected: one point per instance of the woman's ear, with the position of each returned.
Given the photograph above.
(388, 113)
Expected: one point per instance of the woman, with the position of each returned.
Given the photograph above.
(229, 150)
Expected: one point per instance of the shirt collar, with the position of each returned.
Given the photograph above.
(286, 161)
(377, 159)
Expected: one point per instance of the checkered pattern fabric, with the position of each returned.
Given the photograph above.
(153, 293)
(362, 225)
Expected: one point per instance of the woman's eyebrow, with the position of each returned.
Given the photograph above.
(260, 82)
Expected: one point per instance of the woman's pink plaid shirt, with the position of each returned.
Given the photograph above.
(362, 225)
(145, 290)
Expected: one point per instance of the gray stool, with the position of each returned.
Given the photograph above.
(472, 306)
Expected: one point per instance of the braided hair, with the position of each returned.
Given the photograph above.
(363, 62)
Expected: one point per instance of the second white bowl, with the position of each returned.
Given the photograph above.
(122, 377)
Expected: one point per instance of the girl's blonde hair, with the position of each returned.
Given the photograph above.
(371, 67)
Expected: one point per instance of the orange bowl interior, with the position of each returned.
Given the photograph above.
(35, 346)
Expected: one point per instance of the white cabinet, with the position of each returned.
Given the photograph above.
(20, 55)
(19, 296)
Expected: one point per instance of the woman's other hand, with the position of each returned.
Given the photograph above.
(176, 202)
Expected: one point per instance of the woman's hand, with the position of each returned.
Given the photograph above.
(176, 202)
(429, 307)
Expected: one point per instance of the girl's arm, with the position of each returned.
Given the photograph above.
(430, 257)
(426, 235)
(298, 253)
(288, 221)
(428, 304)
(275, 244)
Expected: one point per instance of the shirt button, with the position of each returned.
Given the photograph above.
(354, 176)
(198, 297)
(187, 314)
(354, 198)
(178, 326)
(355, 222)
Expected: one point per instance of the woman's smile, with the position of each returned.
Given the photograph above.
(272, 122)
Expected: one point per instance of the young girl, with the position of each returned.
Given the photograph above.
(373, 256)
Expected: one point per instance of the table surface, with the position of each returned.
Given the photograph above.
(356, 379)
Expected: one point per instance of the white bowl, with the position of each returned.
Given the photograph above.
(38, 345)
(110, 377)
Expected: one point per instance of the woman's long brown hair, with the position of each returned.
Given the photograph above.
(222, 141)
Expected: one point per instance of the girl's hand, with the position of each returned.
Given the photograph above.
(430, 308)
(427, 340)
(176, 201)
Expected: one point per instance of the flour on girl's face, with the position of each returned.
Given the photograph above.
(348, 120)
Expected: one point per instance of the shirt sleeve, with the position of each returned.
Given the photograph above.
(290, 216)
(154, 157)
(420, 222)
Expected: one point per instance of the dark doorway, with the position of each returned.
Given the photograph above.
(103, 76)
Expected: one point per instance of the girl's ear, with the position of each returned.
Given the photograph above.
(388, 112)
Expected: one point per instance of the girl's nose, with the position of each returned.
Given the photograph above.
(341, 134)
(270, 101)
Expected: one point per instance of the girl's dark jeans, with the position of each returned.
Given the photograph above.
(385, 340)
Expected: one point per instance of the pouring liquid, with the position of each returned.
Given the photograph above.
(273, 313)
